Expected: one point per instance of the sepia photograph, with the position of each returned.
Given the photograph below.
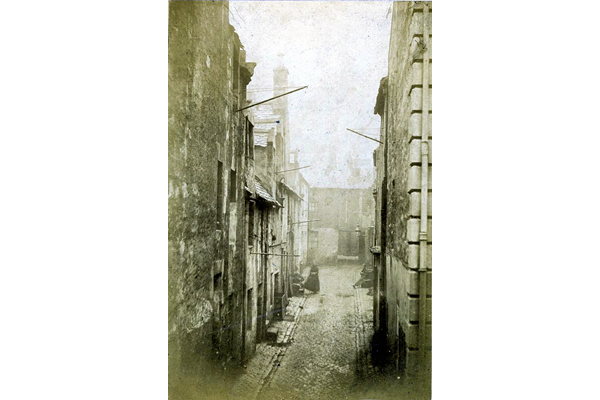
(300, 200)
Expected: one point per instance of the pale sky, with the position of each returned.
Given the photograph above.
(338, 49)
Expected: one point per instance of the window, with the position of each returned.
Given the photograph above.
(249, 139)
(259, 301)
(251, 224)
(217, 281)
(219, 195)
(232, 186)
(249, 311)
(276, 283)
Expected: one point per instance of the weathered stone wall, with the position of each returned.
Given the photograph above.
(208, 172)
(197, 72)
(380, 193)
(403, 123)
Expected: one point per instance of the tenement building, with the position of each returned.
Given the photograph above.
(403, 240)
(234, 213)
(210, 167)
(278, 179)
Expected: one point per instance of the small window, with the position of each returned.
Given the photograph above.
(232, 186)
(219, 194)
(217, 281)
(218, 288)
(276, 283)
(249, 311)
(251, 225)
(249, 139)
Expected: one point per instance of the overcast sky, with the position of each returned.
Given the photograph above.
(338, 49)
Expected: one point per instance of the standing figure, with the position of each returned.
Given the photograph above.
(312, 282)
(366, 278)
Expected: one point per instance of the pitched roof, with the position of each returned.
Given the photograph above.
(262, 192)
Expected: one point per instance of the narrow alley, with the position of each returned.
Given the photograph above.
(299, 164)
(327, 355)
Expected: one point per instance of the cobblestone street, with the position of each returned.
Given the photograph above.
(257, 200)
(326, 354)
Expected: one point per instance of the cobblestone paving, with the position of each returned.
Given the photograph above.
(326, 353)
(262, 366)
(321, 363)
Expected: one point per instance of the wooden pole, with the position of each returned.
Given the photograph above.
(368, 137)
(272, 98)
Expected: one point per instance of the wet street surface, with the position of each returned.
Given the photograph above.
(326, 354)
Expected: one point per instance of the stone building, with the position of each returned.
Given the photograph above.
(273, 259)
(233, 218)
(344, 216)
(233, 232)
(403, 241)
(301, 229)
(276, 171)
(210, 167)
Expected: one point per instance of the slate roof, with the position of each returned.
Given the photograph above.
(262, 192)
(289, 189)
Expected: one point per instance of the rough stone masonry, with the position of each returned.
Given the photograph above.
(404, 104)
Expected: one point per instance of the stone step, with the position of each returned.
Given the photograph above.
(272, 334)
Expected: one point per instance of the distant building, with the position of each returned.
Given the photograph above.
(344, 216)
(344, 210)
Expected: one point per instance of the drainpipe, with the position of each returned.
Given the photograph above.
(424, 193)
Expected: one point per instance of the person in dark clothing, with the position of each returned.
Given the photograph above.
(312, 282)
(297, 280)
(366, 278)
